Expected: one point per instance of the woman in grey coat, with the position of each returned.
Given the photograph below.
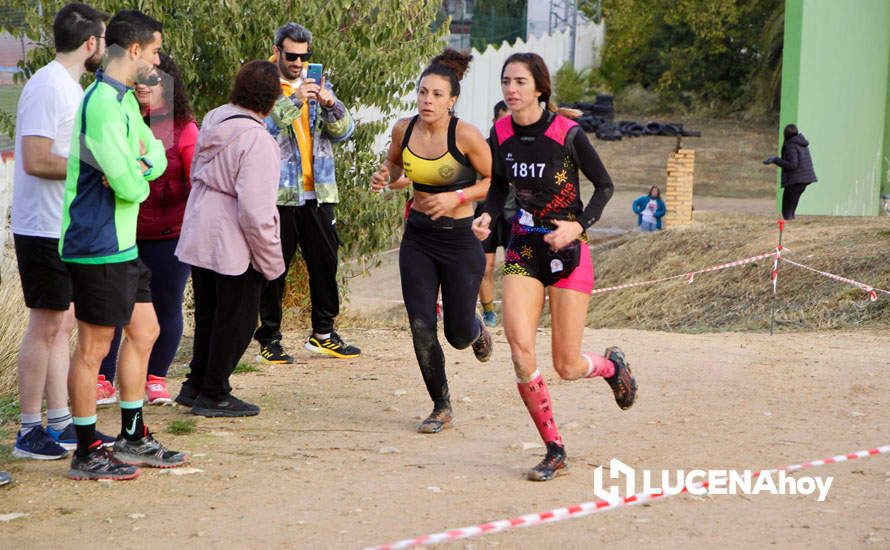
(797, 169)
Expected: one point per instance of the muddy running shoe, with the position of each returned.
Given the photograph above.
(482, 347)
(490, 318)
(105, 394)
(273, 354)
(147, 452)
(156, 391)
(437, 421)
(230, 406)
(623, 383)
(67, 438)
(554, 464)
(36, 443)
(5, 478)
(333, 346)
(100, 464)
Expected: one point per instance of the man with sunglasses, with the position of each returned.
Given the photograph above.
(305, 122)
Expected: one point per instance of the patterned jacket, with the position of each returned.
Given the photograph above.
(329, 126)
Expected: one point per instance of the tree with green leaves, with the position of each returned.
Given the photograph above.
(695, 51)
(372, 49)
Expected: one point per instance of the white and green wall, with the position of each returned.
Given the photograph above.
(836, 88)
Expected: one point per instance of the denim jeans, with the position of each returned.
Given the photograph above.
(648, 226)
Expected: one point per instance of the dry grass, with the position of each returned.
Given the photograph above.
(739, 298)
(13, 320)
(727, 156)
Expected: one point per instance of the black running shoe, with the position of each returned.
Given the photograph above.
(273, 354)
(100, 464)
(147, 452)
(623, 383)
(437, 421)
(187, 395)
(333, 346)
(554, 464)
(482, 347)
(228, 406)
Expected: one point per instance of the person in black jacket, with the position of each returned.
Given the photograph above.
(797, 169)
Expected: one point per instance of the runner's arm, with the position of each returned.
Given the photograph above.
(592, 168)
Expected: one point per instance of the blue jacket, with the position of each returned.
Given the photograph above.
(641, 203)
(328, 126)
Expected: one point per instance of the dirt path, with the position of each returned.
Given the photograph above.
(334, 462)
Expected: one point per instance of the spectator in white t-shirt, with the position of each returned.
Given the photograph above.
(43, 131)
(649, 210)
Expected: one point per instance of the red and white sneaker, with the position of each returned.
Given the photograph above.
(156, 390)
(105, 394)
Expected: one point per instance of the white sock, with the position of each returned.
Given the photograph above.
(58, 419)
(30, 421)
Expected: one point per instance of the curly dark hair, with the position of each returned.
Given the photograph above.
(182, 108)
(256, 87)
(450, 64)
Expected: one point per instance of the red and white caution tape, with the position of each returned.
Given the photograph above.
(587, 508)
(870, 290)
(690, 276)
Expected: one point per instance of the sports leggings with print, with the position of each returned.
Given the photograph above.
(442, 253)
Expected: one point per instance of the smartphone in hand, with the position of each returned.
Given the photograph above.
(315, 72)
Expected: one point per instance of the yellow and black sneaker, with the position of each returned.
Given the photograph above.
(333, 345)
(273, 354)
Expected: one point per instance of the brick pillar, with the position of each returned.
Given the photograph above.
(678, 195)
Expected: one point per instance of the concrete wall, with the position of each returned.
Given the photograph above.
(835, 84)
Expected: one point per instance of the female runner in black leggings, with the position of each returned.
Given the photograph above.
(441, 155)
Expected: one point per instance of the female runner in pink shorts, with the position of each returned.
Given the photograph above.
(539, 153)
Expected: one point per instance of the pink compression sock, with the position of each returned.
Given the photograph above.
(537, 401)
(597, 365)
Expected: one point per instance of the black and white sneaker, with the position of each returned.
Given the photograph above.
(147, 452)
(554, 464)
(229, 406)
(100, 464)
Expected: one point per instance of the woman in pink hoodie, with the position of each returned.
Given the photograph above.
(230, 237)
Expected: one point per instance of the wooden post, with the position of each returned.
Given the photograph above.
(678, 194)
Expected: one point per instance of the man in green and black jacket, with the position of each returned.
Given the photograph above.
(113, 157)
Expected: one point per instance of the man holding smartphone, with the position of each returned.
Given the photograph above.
(305, 122)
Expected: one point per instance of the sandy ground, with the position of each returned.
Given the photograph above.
(333, 461)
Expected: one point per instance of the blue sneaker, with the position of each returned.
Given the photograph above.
(490, 318)
(5, 478)
(37, 444)
(67, 438)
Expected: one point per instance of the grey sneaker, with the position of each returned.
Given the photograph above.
(5, 478)
(554, 464)
(100, 464)
(147, 452)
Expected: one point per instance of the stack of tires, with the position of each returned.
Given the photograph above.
(599, 118)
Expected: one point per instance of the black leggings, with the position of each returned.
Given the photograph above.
(790, 196)
(440, 253)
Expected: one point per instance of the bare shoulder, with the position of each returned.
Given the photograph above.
(467, 133)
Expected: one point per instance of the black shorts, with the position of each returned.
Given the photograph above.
(45, 281)
(104, 294)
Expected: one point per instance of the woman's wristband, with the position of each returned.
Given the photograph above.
(461, 196)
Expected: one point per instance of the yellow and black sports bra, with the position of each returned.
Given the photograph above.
(449, 172)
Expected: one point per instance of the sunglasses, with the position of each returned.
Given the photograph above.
(291, 56)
